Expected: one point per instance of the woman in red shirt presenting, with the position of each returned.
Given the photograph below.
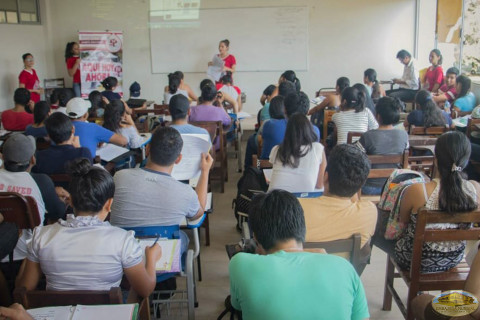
(434, 75)
(72, 58)
(28, 78)
(229, 60)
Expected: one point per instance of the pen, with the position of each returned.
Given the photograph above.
(158, 237)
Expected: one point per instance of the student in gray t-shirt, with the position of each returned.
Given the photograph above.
(150, 196)
(179, 107)
(384, 140)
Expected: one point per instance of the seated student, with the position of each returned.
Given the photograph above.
(84, 252)
(19, 158)
(158, 199)
(274, 132)
(384, 140)
(428, 115)
(66, 146)
(447, 92)
(374, 88)
(465, 101)
(60, 98)
(110, 84)
(286, 282)
(182, 87)
(173, 88)
(226, 86)
(179, 107)
(369, 104)
(449, 191)
(54, 100)
(277, 114)
(116, 119)
(338, 214)
(99, 103)
(299, 161)
(289, 76)
(40, 113)
(207, 111)
(409, 81)
(17, 119)
(433, 78)
(353, 116)
(90, 134)
(267, 95)
(422, 304)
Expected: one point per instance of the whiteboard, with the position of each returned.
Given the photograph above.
(261, 39)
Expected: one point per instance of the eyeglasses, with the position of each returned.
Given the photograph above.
(29, 60)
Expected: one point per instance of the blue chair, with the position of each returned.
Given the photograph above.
(171, 232)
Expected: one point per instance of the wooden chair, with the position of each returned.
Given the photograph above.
(350, 245)
(19, 209)
(220, 167)
(327, 117)
(261, 163)
(158, 109)
(353, 134)
(39, 299)
(423, 164)
(416, 281)
(432, 131)
(396, 161)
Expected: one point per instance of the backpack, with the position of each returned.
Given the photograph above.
(391, 197)
(251, 180)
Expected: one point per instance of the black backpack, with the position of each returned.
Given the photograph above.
(251, 180)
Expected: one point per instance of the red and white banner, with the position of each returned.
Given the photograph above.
(101, 54)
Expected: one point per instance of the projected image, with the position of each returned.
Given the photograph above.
(174, 13)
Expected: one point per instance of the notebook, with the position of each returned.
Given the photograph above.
(81, 312)
(170, 260)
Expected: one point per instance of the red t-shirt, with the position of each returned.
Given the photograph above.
(31, 82)
(16, 121)
(229, 61)
(434, 76)
(451, 92)
(70, 63)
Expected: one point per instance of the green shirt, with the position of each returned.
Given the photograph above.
(296, 285)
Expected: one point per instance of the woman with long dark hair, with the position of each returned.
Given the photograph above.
(434, 76)
(353, 115)
(375, 89)
(72, 59)
(429, 115)
(84, 252)
(299, 162)
(465, 101)
(173, 88)
(116, 119)
(450, 192)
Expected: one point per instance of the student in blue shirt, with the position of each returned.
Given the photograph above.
(90, 134)
(466, 99)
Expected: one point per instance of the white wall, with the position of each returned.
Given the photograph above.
(346, 37)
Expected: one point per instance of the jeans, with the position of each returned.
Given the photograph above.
(77, 90)
(184, 246)
(402, 94)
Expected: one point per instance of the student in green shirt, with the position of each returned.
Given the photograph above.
(284, 282)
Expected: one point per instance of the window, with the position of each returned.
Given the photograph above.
(19, 12)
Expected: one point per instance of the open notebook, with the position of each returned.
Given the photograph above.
(170, 260)
(82, 312)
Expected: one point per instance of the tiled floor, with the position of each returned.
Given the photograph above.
(214, 287)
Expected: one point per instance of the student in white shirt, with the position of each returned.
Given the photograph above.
(299, 161)
(409, 84)
(116, 119)
(84, 252)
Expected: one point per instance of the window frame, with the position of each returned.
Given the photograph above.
(19, 19)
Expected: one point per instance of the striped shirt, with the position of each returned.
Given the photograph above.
(351, 121)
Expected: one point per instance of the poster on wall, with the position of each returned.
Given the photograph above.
(101, 54)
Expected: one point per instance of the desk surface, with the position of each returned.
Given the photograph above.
(417, 140)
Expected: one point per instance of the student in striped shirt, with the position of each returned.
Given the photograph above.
(353, 116)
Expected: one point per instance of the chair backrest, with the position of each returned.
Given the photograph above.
(400, 160)
(170, 232)
(472, 125)
(353, 134)
(162, 108)
(350, 245)
(214, 128)
(39, 299)
(434, 131)
(422, 164)
(423, 235)
(19, 209)
(261, 163)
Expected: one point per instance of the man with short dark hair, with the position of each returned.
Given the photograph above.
(285, 282)
(150, 196)
(179, 108)
(338, 214)
(17, 119)
(61, 131)
(409, 84)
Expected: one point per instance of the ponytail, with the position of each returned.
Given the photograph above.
(173, 82)
(109, 82)
(355, 99)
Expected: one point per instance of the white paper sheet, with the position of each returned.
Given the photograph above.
(109, 151)
(52, 313)
(193, 147)
(215, 71)
(105, 312)
(169, 248)
(243, 115)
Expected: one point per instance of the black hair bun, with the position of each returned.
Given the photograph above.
(79, 167)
